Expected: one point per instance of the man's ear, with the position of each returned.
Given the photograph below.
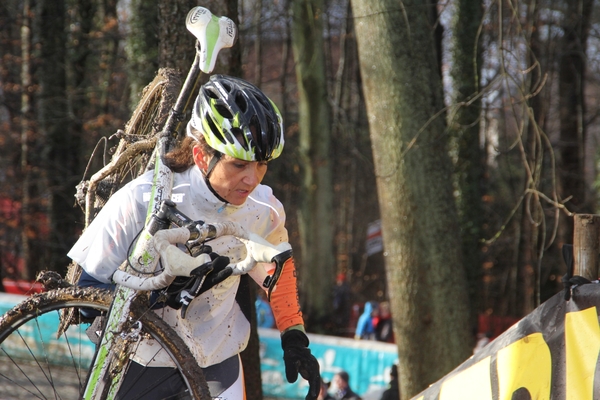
(200, 159)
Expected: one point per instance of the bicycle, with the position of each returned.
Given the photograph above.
(94, 353)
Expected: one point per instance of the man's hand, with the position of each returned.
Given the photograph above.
(299, 360)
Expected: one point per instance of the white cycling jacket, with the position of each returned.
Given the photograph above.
(214, 328)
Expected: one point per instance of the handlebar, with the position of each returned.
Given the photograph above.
(178, 263)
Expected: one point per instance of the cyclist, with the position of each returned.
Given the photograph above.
(234, 131)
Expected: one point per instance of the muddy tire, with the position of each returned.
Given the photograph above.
(35, 363)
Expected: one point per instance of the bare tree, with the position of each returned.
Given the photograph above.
(315, 211)
(176, 44)
(26, 98)
(573, 130)
(426, 279)
(464, 127)
(58, 145)
(142, 46)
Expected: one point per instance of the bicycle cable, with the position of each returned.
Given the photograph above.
(130, 265)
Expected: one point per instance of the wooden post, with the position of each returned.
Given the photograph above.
(586, 245)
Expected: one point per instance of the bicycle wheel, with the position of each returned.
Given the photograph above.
(35, 363)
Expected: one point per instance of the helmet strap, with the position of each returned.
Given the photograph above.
(213, 162)
(211, 165)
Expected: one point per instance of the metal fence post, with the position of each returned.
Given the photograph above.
(586, 245)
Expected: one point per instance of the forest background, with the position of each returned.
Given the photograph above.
(469, 127)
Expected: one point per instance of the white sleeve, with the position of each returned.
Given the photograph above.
(103, 246)
(275, 231)
(278, 233)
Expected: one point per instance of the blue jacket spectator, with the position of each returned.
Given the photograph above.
(364, 327)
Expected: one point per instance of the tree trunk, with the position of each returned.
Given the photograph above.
(251, 355)
(347, 166)
(576, 28)
(110, 49)
(176, 44)
(142, 47)
(464, 128)
(315, 213)
(426, 279)
(15, 26)
(81, 56)
(60, 146)
(26, 81)
(258, 10)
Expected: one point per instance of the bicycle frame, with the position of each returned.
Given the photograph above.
(108, 369)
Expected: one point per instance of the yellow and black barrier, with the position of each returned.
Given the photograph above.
(553, 353)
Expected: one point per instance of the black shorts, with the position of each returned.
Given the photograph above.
(155, 383)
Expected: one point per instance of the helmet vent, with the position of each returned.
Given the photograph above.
(270, 128)
(226, 86)
(211, 93)
(214, 129)
(239, 136)
(223, 111)
(241, 102)
(256, 136)
(263, 102)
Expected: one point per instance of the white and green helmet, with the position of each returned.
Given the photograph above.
(236, 118)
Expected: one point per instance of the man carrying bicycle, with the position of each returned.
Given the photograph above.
(235, 130)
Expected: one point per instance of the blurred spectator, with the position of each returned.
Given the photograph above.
(354, 315)
(340, 387)
(393, 392)
(383, 327)
(341, 304)
(264, 315)
(364, 328)
(323, 395)
(482, 340)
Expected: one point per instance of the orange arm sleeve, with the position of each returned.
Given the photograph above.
(284, 299)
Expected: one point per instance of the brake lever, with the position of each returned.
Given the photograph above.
(187, 296)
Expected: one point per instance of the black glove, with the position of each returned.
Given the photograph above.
(216, 271)
(298, 359)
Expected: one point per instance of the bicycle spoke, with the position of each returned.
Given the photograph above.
(45, 354)
(33, 357)
(75, 360)
(150, 385)
(30, 365)
(15, 364)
